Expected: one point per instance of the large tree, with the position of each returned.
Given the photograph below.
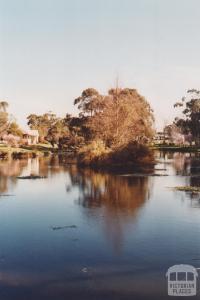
(118, 118)
(57, 130)
(90, 102)
(14, 129)
(190, 120)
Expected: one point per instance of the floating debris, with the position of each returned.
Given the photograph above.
(64, 227)
(32, 177)
(194, 189)
(158, 175)
(6, 195)
(143, 175)
(84, 270)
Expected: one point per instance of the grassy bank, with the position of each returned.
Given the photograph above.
(19, 152)
(31, 151)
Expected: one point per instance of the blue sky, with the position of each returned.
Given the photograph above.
(50, 50)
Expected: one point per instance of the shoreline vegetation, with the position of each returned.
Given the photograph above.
(41, 149)
(114, 131)
(110, 132)
(95, 155)
(123, 158)
(23, 151)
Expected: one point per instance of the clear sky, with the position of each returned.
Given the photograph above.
(50, 50)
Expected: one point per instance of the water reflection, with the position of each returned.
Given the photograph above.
(10, 169)
(126, 236)
(186, 165)
(116, 199)
(116, 193)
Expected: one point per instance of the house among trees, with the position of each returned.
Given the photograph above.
(161, 138)
(31, 137)
(171, 135)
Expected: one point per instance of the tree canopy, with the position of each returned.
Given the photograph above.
(189, 122)
(117, 118)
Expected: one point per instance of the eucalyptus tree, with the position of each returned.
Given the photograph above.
(117, 118)
(90, 102)
(189, 122)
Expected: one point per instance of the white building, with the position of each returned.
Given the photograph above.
(31, 136)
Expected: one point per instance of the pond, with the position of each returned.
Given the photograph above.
(80, 234)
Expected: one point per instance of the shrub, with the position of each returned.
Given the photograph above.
(130, 154)
(92, 153)
(96, 154)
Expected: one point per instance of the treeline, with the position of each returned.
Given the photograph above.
(109, 129)
(188, 122)
(106, 124)
(116, 119)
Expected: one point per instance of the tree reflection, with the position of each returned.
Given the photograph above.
(10, 169)
(195, 171)
(184, 164)
(188, 164)
(51, 165)
(115, 199)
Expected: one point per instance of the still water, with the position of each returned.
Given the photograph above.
(80, 234)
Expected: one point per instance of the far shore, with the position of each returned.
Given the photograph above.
(175, 148)
(46, 149)
(28, 151)
(72, 157)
